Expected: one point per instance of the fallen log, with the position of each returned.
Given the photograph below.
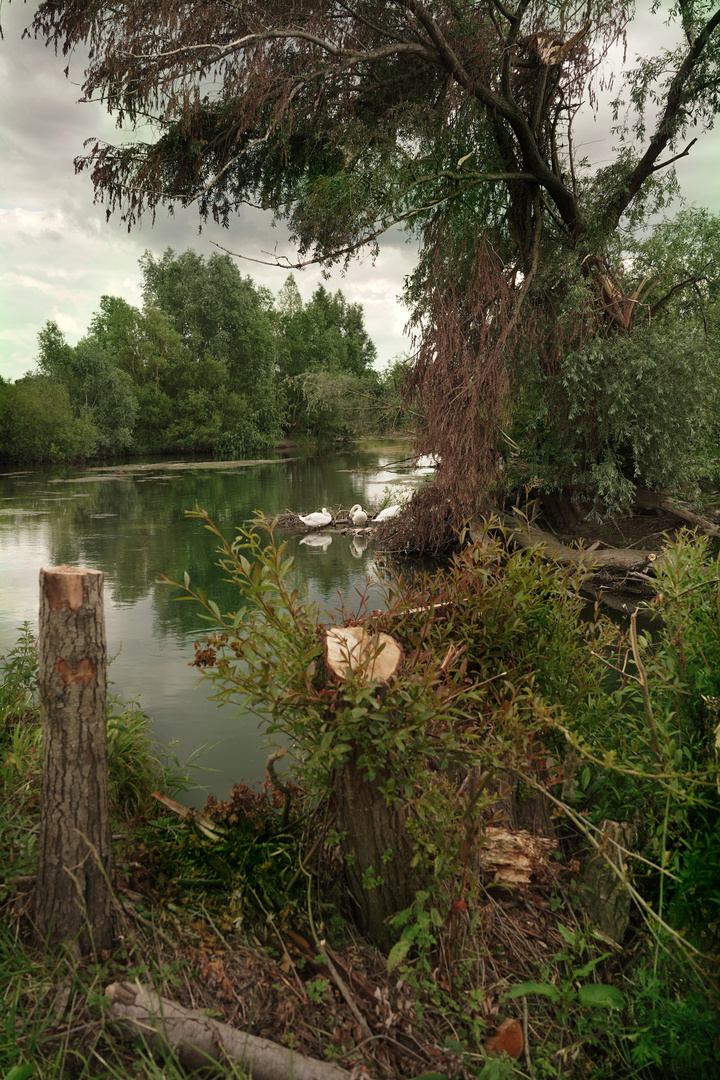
(525, 535)
(654, 500)
(197, 1040)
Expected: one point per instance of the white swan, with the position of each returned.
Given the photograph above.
(387, 513)
(317, 520)
(427, 461)
(358, 515)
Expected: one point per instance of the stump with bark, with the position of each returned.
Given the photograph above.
(377, 847)
(72, 893)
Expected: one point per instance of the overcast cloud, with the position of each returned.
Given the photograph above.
(58, 255)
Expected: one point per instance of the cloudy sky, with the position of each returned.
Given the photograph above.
(58, 255)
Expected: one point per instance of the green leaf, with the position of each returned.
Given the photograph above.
(569, 935)
(601, 996)
(398, 952)
(20, 1072)
(527, 988)
(583, 972)
(186, 579)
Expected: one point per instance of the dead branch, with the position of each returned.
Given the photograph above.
(197, 1040)
(652, 500)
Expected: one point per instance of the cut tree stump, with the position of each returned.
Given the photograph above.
(372, 657)
(72, 892)
(376, 845)
(198, 1041)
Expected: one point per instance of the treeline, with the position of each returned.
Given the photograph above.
(212, 363)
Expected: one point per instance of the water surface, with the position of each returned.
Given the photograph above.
(130, 523)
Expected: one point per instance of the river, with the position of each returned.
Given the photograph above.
(129, 521)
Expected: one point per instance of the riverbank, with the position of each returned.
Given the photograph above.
(251, 916)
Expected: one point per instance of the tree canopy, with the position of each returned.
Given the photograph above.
(453, 117)
(210, 363)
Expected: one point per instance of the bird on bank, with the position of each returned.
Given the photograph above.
(388, 513)
(318, 519)
(358, 515)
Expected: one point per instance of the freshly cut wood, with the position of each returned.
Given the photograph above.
(526, 535)
(654, 500)
(213, 830)
(197, 1040)
(515, 858)
(374, 657)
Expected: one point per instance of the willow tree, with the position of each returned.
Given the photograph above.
(453, 118)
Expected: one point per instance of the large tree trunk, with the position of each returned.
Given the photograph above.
(72, 894)
(378, 851)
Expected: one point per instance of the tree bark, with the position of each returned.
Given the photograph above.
(199, 1041)
(72, 894)
(377, 848)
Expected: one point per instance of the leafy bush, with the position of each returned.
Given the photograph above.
(38, 423)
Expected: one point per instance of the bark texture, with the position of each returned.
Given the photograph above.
(199, 1041)
(72, 894)
(377, 849)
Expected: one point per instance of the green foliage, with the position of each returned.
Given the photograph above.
(39, 423)
(217, 312)
(209, 365)
(325, 357)
(570, 965)
(96, 386)
(637, 407)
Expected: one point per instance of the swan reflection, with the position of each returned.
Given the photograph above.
(358, 545)
(317, 541)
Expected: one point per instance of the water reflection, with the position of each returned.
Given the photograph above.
(358, 544)
(317, 541)
(130, 523)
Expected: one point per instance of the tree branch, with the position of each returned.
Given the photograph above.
(664, 164)
(664, 130)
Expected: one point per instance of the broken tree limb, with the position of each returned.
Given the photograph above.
(526, 535)
(197, 1040)
(375, 657)
(653, 500)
